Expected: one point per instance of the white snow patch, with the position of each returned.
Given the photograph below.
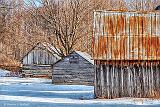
(59, 92)
(62, 89)
(3, 72)
(86, 56)
(133, 101)
(26, 80)
(5, 84)
(66, 92)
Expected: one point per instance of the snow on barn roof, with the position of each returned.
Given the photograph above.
(53, 50)
(85, 56)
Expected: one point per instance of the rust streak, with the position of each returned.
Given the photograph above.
(136, 35)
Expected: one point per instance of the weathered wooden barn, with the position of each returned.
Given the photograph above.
(38, 61)
(126, 54)
(76, 68)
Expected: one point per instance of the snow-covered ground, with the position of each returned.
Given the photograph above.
(33, 92)
(3, 73)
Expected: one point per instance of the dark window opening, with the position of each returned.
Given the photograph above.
(74, 59)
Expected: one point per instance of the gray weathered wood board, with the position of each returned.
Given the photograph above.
(115, 81)
(65, 72)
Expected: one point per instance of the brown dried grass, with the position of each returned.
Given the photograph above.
(9, 63)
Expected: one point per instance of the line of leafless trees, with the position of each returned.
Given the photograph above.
(66, 24)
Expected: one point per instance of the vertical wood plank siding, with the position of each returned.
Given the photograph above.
(115, 80)
(126, 54)
(39, 61)
(39, 56)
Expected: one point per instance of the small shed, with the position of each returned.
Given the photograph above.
(77, 68)
(38, 61)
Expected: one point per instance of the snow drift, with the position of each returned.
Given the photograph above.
(4, 73)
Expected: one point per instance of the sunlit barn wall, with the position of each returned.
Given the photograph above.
(38, 61)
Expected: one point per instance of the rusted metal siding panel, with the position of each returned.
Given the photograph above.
(126, 36)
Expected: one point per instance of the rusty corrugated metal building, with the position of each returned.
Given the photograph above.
(126, 54)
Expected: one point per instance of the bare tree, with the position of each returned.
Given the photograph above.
(4, 11)
(142, 5)
(67, 24)
(64, 19)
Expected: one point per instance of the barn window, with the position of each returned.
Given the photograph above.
(74, 59)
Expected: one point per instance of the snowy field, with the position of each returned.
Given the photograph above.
(25, 92)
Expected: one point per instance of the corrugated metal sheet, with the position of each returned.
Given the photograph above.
(126, 36)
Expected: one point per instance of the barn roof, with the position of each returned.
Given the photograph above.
(53, 50)
(85, 56)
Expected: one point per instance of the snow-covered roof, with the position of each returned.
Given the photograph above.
(85, 56)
